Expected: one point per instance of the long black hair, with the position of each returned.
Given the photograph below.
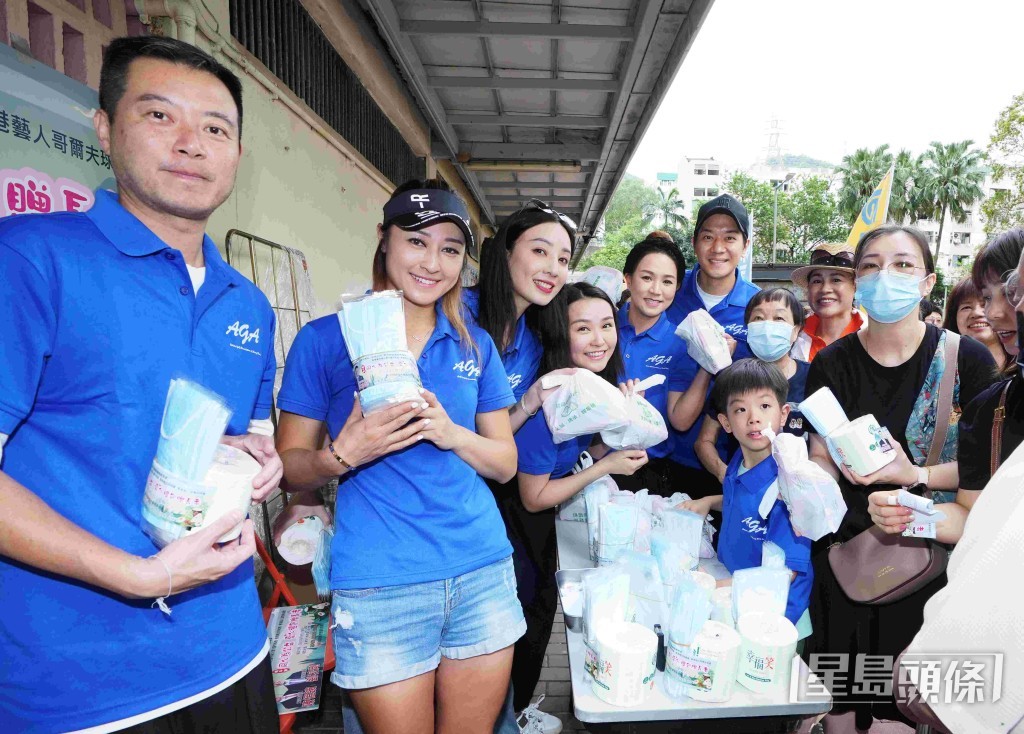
(558, 347)
(497, 297)
(998, 258)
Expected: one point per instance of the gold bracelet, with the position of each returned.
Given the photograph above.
(336, 455)
(522, 405)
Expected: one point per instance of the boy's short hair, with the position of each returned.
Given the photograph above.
(747, 375)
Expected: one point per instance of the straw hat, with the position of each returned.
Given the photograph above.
(827, 256)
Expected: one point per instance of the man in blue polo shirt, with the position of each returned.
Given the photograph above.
(101, 310)
(720, 239)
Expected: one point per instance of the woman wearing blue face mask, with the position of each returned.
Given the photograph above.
(891, 370)
(774, 318)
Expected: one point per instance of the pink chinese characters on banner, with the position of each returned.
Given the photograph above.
(28, 191)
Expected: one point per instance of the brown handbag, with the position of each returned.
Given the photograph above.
(876, 567)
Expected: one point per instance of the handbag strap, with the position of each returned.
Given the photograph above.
(997, 430)
(945, 403)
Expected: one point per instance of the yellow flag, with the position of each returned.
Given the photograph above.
(874, 212)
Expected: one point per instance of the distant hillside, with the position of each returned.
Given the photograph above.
(804, 161)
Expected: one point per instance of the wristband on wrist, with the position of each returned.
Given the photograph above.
(924, 474)
(336, 455)
(522, 405)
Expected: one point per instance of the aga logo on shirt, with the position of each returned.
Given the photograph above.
(514, 379)
(753, 526)
(466, 369)
(242, 331)
(736, 330)
(658, 361)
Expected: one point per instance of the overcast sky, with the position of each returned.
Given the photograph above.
(838, 75)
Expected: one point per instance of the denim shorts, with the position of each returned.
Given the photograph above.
(392, 633)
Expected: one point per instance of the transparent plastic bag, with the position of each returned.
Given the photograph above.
(645, 427)
(583, 405)
(374, 329)
(815, 502)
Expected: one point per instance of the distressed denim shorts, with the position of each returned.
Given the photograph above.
(392, 633)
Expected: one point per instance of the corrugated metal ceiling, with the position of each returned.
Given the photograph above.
(539, 98)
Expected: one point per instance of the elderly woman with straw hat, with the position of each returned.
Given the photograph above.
(828, 281)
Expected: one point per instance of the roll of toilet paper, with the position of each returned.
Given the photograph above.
(863, 445)
(230, 481)
(823, 411)
(173, 506)
(714, 657)
(621, 661)
(768, 644)
(721, 606)
(299, 540)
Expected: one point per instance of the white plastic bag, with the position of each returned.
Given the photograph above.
(815, 502)
(705, 341)
(584, 405)
(646, 426)
(606, 278)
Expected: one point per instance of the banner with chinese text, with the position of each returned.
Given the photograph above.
(51, 160)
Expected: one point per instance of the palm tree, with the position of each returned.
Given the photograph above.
(905, 199)
(668, 209)
(951, 181)
(861, 172)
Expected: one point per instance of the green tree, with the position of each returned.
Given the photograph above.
(861, 172)
(952, 176)
(1005, 208)
(633, 197)
(905, 200)
(668, 211)
(759, 199)
(812, 217)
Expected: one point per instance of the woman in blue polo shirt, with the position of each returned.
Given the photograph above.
(654, 271)
(520, 303)
(774, 319)
(424, 601)
(545, 476)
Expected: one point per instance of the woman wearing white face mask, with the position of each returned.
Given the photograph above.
(891, 370)
(774, 318)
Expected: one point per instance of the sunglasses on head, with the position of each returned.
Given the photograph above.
(542, 206)
(826, 259)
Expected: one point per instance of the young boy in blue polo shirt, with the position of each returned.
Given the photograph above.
(750, 396)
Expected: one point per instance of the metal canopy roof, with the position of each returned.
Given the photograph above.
(539, 98)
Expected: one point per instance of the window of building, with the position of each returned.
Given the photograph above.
(698, 170)
(713, 171)
(698, 192)
(712, 192)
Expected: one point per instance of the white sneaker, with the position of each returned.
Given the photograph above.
(534, 721)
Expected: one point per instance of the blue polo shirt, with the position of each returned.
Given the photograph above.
(729, 313)
(744, 530)
(98, 316)
(422, 513)
(538, 452)
(656, 351)
(521, 358)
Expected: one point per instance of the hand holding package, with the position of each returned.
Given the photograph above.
(374, 329)
(815, 502)
(645, 427)
(583, 405)
(705, 341)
